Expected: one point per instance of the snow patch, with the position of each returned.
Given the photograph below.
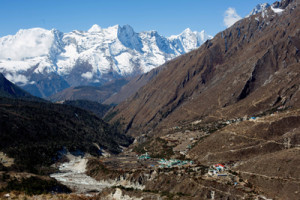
(277, 10)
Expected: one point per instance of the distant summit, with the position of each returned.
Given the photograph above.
(189, 40)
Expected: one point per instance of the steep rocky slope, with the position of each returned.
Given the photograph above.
(247, 69)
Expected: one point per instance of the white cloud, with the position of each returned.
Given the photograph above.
(17, 78)
(231, 17)
(87, 75)
(26, 43)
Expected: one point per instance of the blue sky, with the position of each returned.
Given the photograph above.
(168, 17)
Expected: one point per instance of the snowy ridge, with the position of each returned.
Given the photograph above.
(87, 57)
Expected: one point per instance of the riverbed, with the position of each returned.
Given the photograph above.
(72, 174)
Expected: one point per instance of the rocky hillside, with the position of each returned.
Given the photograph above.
(247, 69)
(51, 61)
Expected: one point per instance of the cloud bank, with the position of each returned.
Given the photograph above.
(231, 17)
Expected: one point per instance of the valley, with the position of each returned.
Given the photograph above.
(219, 121)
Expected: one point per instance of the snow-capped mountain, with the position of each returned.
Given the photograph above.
(46, 61)
(258, 9)
(188, 40)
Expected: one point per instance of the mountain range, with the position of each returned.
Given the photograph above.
(45, 62)
(230, 109)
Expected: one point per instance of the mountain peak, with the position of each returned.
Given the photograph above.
(187, 30)
(95, 28)
(129, 38)
(126, 29)
(258, 9)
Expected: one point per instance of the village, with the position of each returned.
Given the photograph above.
(217, 172)
(220, 172)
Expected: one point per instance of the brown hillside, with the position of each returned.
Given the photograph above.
(251, 69)
(247, 69)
